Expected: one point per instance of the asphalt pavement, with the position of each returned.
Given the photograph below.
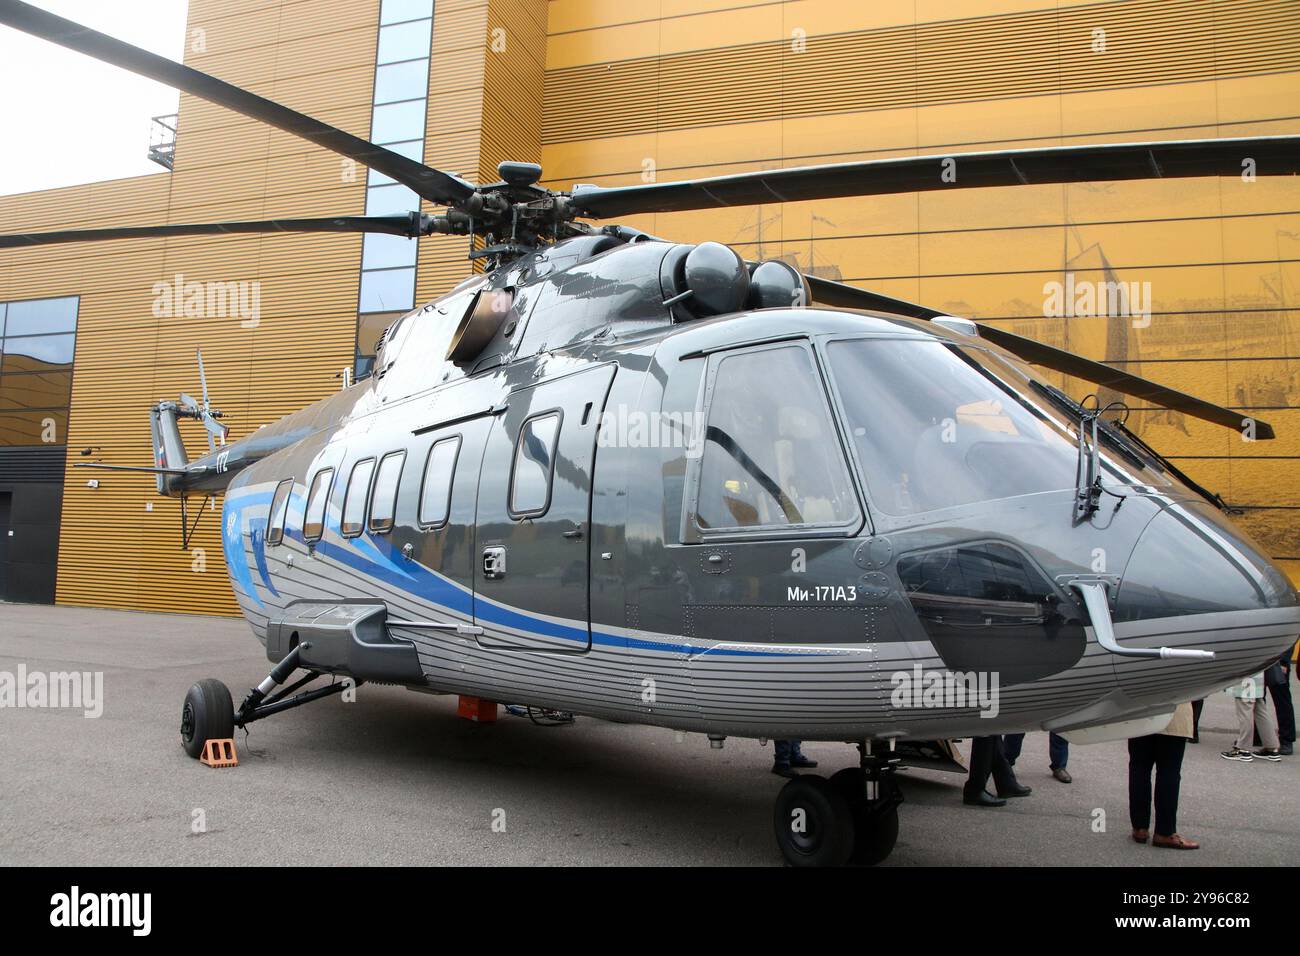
(395, 777)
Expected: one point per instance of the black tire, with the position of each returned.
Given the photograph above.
(875, 829)
(813, 823)
(876, 832)
(207, 714)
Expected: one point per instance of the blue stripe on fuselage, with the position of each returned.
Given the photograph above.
(415, 579)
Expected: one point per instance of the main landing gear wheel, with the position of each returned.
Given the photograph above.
(207, 714)
(875, 824)
(851, 818)
(813, 823)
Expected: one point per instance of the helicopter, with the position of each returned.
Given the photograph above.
(655, 483)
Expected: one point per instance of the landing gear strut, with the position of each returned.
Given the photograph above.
(850, 819)
(208, 712)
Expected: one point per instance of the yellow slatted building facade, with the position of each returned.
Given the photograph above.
(612, 93)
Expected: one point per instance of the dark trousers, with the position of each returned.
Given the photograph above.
(1281, 694)
(1197, 707)
(787, 750)
(988, 759)
(1165, 754)
(1058, 749)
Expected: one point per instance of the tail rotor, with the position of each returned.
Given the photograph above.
(203, 411)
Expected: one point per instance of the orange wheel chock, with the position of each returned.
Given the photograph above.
(477, 709)
(219, 753)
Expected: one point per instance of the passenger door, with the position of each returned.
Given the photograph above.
(534, 509)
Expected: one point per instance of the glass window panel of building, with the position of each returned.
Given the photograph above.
(37, 343)
(398, 11)
(399, 114)
(396, 82)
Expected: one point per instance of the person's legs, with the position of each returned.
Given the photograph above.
(1059, 750)
(981, 765)
(1011, 744)
(782, 753)
(1281, 694)
(1003, 776)
(1245, 723)
(1169, 764)
(1141, 758)
(1266, 724)
(797, 759)
(1197, 707)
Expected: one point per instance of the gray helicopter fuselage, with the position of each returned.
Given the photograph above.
(587, 516)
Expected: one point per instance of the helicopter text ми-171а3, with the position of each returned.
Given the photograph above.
(654, 483)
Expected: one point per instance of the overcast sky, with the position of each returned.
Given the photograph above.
(67, 119)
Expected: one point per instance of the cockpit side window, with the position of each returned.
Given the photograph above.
(771, 458)
(934, 426)
(279, 512)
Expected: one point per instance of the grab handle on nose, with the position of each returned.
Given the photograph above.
(1094, 598)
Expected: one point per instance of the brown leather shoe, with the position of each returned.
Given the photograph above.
(1174, 842)
(1141, 836)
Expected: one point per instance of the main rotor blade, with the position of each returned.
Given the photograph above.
(428, 183)
(1270, 156)
(203, 381)
(392, 225)
(1062, 361)
(844, 296)
(838, 294)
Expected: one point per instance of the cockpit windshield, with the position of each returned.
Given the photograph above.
(938, 425)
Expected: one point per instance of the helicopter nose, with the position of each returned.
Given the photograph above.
(1195, 581)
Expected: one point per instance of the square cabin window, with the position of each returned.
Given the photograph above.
(772, 456)
(383, 501)
(435, 491)
(313, 522)
(354, 501)
(279, 512)
(534, 466)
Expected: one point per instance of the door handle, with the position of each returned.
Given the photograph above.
(575, 533)
(494, 563)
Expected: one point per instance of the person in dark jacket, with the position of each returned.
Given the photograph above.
(1278, 681)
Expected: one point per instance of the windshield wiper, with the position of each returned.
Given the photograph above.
(1212, 497)
(1088, 488)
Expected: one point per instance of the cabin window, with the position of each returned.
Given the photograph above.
(435, 489)
(313, 522)
(534, 465)
(354, 501)
(771, 457)
(279, 511)
(383, 503)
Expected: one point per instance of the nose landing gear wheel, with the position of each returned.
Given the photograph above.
(207, 714)
(813, 823)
